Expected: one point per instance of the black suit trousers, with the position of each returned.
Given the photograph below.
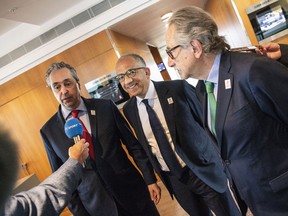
(203, 196)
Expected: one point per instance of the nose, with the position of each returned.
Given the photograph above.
(127, 80)
(63, 89)
(171, 62)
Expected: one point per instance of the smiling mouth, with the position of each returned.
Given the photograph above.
(131, 86)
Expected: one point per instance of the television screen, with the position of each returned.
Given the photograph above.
(107, 87)
(271, 18)
(161, 66)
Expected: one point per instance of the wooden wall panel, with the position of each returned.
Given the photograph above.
(97, 67)
(27, 81)
(82, 52)
(39, 105)
(125, 44)
(282, 40)
(20, 85)
(23, 117)
(88, 49)
(227, 21)
(6, 92)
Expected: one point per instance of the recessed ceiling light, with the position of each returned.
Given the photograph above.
(166, 16)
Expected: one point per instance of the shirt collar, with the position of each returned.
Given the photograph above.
(66, 112)
(151, 93)
(214, 72)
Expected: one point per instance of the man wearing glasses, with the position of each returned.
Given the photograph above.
(165, 118)
(249, 110)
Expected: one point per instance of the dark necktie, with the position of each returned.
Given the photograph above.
(85, 134)
(162, 141)
(212, 104)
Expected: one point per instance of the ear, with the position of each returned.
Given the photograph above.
(197, 48)
(147, 71)
(78, 86)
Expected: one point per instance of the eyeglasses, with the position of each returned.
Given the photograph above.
(169, 51)
(129, 73)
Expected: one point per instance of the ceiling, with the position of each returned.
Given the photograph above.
(23, 20)
(146, 24)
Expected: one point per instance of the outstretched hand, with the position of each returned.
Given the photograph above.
(271, 50)
(79, 151)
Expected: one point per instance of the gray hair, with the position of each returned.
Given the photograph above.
(194, 23)
(59, 65)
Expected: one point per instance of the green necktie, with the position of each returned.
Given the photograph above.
(212, 104)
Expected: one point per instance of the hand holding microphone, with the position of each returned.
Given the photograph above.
(79, 151)
(74, 129)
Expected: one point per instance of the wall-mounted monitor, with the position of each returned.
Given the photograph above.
(161, 66)
(107, 87)
(269, 19)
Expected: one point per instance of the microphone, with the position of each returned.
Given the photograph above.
(74, 129)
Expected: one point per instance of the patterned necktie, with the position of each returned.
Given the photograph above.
(85, 134)
(212, 104)
(162, 141)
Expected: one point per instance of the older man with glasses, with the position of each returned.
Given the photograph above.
(248, 117)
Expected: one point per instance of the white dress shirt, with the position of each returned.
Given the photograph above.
(156, 106)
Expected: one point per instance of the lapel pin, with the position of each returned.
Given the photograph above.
(93, 112)
(227, 84)
(170, 100)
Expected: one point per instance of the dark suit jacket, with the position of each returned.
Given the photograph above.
(284, 53)
(112, 164)
(191, 142)
(252, 128)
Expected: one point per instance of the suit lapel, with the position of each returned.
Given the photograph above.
(137, 125)
(225, 86)
(91, 111)
(60, 119)
(93, 120)
(167, 104)
(202, 96)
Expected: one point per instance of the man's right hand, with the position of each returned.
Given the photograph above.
(271, 50)
(155, 192)
(79, 151)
